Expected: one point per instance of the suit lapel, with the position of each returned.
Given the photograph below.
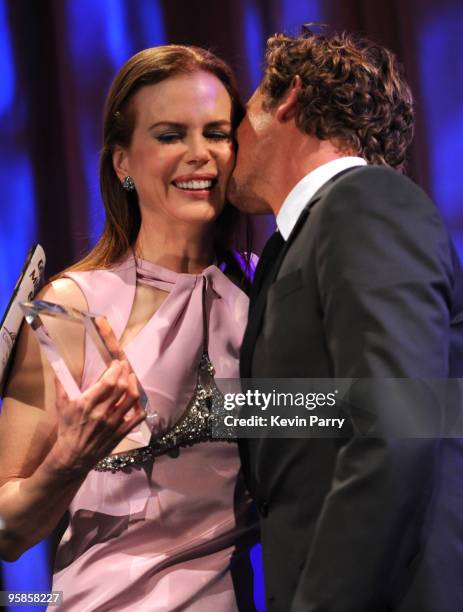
(262, 279)
(303, 217)
(265, 278)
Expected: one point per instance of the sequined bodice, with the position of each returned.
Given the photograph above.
(202, 421)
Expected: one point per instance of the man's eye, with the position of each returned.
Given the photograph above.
(169, 137)
(218, 135)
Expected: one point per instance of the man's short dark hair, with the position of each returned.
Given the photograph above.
(353, 92)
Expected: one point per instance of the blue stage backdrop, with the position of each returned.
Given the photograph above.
(57, 58)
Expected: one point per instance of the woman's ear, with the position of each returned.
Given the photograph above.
(120, 163)
(286, 110)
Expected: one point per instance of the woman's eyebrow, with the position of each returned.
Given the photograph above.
(182, 126)
(221, 123)
(170, 124)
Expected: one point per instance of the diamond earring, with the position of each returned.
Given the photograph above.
(128, 183)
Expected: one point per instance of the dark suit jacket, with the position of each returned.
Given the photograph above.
(367, 285)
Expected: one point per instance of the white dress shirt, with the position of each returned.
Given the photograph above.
(307, 187)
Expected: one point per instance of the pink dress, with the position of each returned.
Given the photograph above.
(175, 533)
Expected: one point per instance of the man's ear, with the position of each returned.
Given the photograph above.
(120, 163)
(286, 110)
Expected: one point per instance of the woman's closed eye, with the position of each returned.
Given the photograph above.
(170, 137)
(173, 137)
(218, 135)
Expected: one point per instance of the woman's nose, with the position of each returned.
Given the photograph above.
(198, 150)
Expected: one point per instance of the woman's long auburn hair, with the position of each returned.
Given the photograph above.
(123, 217)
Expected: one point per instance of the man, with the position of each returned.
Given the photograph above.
(360, 282)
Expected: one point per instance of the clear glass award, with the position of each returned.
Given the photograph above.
(60, 351)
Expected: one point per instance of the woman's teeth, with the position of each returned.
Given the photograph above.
(193, 184)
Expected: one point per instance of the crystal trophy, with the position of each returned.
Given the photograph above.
(42, 317)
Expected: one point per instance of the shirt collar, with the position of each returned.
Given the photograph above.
(307, 187)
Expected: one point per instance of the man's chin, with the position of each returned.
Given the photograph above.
(245, 199)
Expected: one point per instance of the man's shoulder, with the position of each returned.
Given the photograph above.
(377, 179)
(372, 199)
(370, 187)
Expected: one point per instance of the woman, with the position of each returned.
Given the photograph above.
(168, 527)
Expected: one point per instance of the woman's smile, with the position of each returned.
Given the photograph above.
(196, 185)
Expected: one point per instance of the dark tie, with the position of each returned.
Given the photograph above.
(265, 273)
(266, 263)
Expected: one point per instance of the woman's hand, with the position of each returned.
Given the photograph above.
(91, 426)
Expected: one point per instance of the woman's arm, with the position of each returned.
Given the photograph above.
(48, 444)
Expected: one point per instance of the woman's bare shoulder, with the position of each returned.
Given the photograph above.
(31, 378)
(63, 291)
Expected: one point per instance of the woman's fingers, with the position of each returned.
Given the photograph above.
(138, 415)
(60, 393)
(128, 413)
(131, 395)
(109, 388)
(113, 396)
(103, 414)
(133, 386)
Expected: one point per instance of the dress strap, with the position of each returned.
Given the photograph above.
(205, 322)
